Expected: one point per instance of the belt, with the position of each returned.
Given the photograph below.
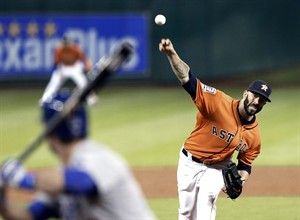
(195, 159)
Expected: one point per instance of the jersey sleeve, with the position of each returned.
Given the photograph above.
(207, 98)
(79, 182)
(242, 166)
(249, 156)
(103, 166)
(253, 140)
(191, 85)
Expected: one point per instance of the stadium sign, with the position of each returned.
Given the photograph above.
(27, 42)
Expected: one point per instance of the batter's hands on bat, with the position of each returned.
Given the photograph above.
(166, 47)
(13, 173)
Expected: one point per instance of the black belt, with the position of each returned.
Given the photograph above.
(195, 159)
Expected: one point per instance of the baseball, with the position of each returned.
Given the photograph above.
(160, 19)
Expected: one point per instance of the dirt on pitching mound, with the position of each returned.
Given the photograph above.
(264, 181)
(160, 182)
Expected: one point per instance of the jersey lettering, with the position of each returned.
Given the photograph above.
(230, 137)
(214, 131)
(222, 134)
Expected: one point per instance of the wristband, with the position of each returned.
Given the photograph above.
(28, 182)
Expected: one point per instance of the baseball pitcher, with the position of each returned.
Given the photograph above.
(223, 125)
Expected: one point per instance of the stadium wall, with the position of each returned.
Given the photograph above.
(219, 39)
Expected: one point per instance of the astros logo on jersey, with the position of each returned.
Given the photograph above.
(222, 134)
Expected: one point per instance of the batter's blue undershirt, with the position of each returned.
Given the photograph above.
(76, 182)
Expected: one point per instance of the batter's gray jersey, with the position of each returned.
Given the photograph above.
(120, 197)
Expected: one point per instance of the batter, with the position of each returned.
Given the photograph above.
(92, 182)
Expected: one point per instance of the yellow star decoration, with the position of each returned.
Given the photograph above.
(50, 29)
(1, 29)
(14, 29)
(32, 29)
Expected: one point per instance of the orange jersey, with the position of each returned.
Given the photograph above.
(218, 131)
(68, 55)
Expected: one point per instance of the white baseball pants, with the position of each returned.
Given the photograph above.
(198, 189)
(59, 76)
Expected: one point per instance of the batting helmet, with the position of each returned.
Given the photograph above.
(74, 126)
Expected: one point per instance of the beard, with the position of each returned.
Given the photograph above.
(250, 108)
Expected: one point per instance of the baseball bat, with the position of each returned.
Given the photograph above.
(98, 77)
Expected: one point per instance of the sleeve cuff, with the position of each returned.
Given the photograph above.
(28, 182)
(40, 211)
(243, 166)
(191, 85)
(78, 182)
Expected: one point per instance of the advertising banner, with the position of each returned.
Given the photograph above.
(27, 42)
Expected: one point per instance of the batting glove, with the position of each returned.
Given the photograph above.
(13, 173)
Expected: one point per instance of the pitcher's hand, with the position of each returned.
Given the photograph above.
(166, 47)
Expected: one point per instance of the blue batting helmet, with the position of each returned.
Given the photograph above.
(71, 128)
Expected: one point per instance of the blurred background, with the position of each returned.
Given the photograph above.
(143, 113)
(220, 39)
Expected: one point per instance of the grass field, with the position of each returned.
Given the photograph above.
(147, 125)
(253, 208)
